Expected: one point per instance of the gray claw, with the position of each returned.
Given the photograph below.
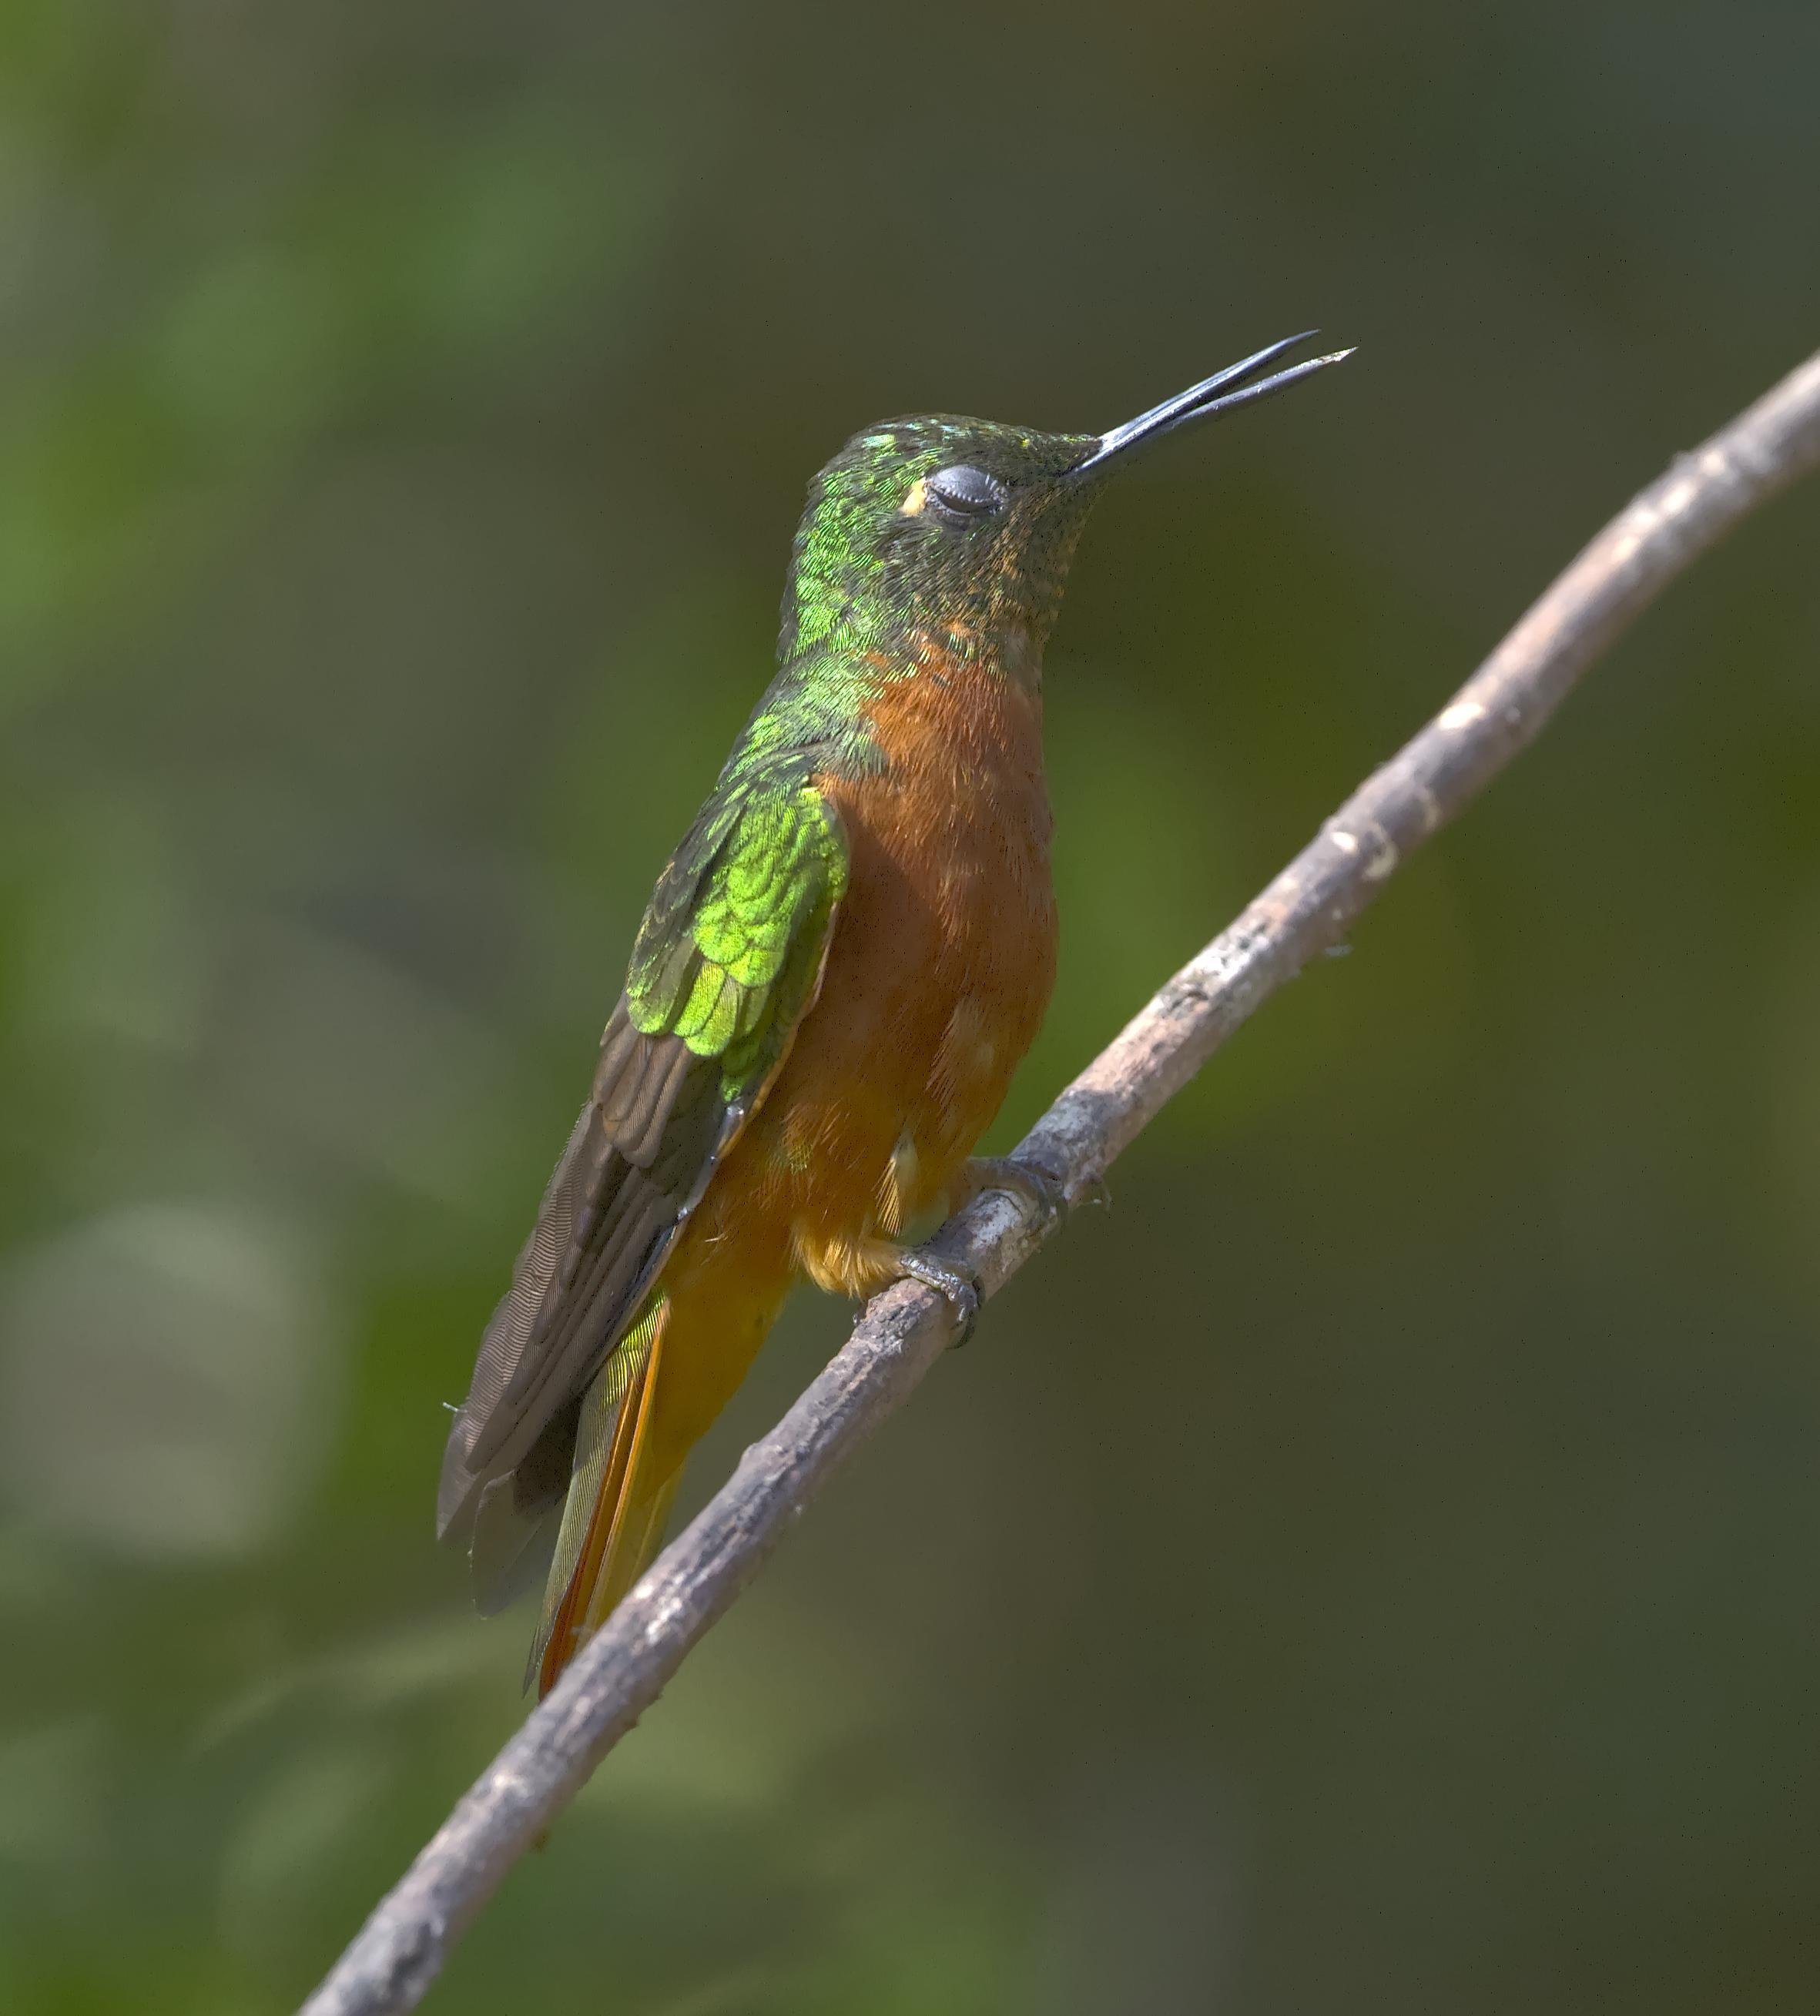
(1095, 1191)
(961, 1290)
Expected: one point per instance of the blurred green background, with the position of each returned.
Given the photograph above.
(1377, 1568)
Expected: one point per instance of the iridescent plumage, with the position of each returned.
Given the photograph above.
(839, 970)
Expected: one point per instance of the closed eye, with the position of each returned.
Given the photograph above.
(964, 492)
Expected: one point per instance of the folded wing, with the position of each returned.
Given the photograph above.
(727, 963)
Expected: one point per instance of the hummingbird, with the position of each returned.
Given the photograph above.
(840, 968)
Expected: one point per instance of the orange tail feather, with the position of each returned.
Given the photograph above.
(654, 1397)
(623, 1501)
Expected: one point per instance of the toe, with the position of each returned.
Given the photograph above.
(961, 1290)
(1043, 1192)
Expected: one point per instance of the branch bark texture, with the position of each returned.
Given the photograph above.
(1309, 908)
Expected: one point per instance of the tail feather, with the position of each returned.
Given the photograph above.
(613, 1518)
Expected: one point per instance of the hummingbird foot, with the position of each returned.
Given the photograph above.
(959, 1288)
(1044, 1192)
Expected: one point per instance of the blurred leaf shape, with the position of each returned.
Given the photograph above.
(299, 1825)
(167, 1386)
(50, 1791)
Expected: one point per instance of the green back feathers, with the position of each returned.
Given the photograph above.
(732, 944)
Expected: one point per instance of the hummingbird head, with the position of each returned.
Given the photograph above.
(957, 533)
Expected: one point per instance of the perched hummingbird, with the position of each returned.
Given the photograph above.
(840, 969)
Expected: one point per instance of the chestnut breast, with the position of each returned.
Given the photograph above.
(943, 957)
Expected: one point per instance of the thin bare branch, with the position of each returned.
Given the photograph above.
(1307, 908)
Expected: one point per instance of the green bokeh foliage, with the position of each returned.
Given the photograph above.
(1373, 1569)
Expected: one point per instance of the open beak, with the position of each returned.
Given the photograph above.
(1237, 385)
